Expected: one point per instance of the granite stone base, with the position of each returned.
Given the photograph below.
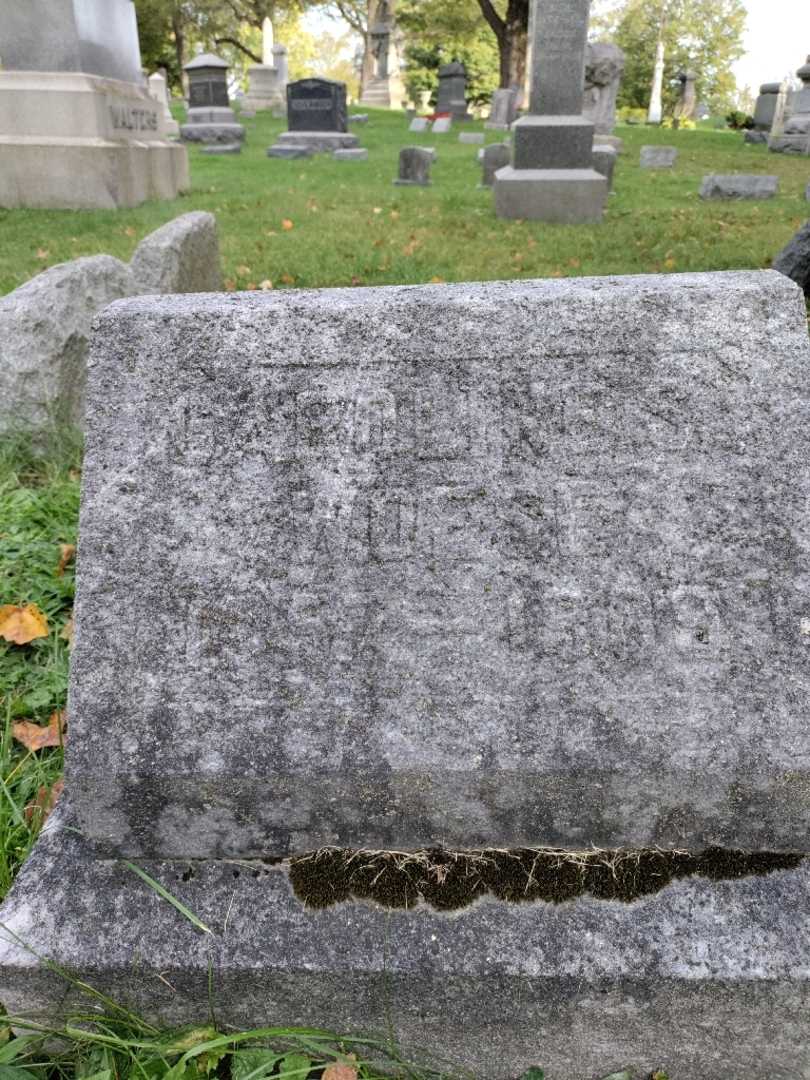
(319, 141)
(569, 196)
(552, 142)
(212, 133)
(704, 979)
(290, 152)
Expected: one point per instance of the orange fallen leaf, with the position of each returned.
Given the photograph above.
(38, 736)
(67, 553)
(42, 253)
(129, 231)
(287, 224)
(436, 280)
(669, 264)
(356, 280)
(251, 286)
(38, 811)
(340, 1071)
(230, 285)
(67, 632)
(288, 279)
(22, 624)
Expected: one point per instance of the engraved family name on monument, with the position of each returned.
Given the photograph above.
(528, 572)
(316, 105)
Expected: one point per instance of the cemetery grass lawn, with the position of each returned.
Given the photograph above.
(39, 501)
(320, 222)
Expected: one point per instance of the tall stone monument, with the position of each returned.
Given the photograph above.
(384, 89)
(687, 97)
(78, 128)
(452, 94)
(551, 177)
(370, 579)
(267, 88)
(795, 137)
(604, 66)
(159, 91)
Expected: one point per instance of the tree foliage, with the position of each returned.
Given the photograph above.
(704, 35)
(437, 32)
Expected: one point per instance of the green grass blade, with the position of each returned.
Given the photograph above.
(169, 898)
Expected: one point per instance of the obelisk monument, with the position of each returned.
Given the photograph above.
(551, 177)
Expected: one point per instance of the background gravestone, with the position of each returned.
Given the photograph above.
(211, 119)
(452, 93)
(317, 116)
(476, 565)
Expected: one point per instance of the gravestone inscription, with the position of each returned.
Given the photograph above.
(506, 565)
(317, 105)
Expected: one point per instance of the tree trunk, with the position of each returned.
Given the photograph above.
(512, 35)
(367, 70)
(180, 49)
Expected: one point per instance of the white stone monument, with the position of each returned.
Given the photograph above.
(78, 129)
(268, 81)
(159, 90)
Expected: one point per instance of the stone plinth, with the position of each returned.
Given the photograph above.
(794, 137)
(267, 90)
(210, 118)
(551, 177)
(75, 141)
(320, 142)
(506, 565)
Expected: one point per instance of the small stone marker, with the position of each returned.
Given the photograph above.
(474, 137)
(443, 125)
(439, 569)
(503, 110)
(604, 66)
(358, 118)
(658, 157)
(739, 186)
(317, 117)
(356, 154)
(210, 116)
(414, 167)
(495, 156)
(419, 123)
(291, 151)
(552, 177)
(604, 161)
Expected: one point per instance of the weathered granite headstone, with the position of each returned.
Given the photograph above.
(503, 109)
(782, 111)
(419, 123)
(452, 93)
(356, 154)
(604, 161)
(494, 157)
(552, 176)
(317, 116)
(78, 129)
(414, 167)
(765, 108)
(471, 137)
(739, 186)
(795, 138)
(442, 125)
(505, 566)
(604, 67)
(210, 116)
(658, 157)
(794, 259)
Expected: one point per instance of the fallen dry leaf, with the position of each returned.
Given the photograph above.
(22, 624)
(230, 285)
(42, 253)
(356, 280)
(38, 736)
(340, 1071)
(67, 553)
(394, 215)
(38, 811)
(287, 224)
(67, 632)
(376, 210)
(267, 284)
(288, 279)
(129, 231)
(243, 271)
(669, 264)
(251, 286)
(436, 280)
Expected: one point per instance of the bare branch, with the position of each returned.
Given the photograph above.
(497, 24)
(238, 45)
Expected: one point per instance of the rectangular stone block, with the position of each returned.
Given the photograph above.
(553, 142)
(473, 565)
(739, 186)
(565, 196)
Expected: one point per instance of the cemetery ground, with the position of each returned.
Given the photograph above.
(319, 222)
(301, 224)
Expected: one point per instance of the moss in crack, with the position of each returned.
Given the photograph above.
(449, 880)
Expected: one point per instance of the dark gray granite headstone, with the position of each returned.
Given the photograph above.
(494, 157)
(765, 107)
(98, 37)
(506, 564)
(452, 94)
(316, 105)
(414, 166)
